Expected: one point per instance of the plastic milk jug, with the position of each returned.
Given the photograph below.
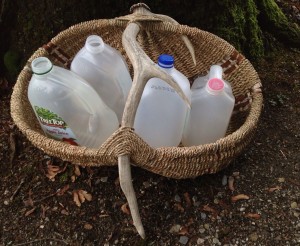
(67, 107)
(161, 113)
(211, 108)
(106, 71)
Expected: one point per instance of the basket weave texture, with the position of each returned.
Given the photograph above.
(155, 38)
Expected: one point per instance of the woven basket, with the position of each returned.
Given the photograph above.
(155, 38)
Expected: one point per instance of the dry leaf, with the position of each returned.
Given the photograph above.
(12, 145)
(3, 84)
(239, 197)
(125, 209)
(183, 231)
(77, 170)
(252, 216)
(73, 178)
(30, 211)
(63, 190)
(230, 183)
(28, 202)
(53, 170)
(79, 196)
(178, 207)
(76, 198)
(211, 210)
(64, 212)
(44, 209)
(274, 188)
(86, 195)
(88, 226)
(187, 199)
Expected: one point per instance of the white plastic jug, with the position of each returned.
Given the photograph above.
(161, 113)
(106, 70)
(67, 107)
(211, 108)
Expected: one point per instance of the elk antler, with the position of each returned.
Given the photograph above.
(144, 69)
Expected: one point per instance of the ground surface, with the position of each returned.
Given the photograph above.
(37, 211)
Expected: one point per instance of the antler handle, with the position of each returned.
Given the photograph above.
(144, 69)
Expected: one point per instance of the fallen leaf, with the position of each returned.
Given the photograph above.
(77, 170)
(28, 202)
(178, 207)
(53, 170)
(63, 190)
(3, 84)
(86, 195)
(252, 216)
(44, 209)
(274, 188)
(183, 231)
(79, 197)
(76, 198)
(30, 211)
(88, 226)
(125, 209)
(64, 212)
(281, 180)
(12, 145)
(187, 199)
(117, 182)
(73, 178)
(211, 210)
(230, 183)
(239, 197)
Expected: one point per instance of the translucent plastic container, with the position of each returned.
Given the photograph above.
(211, 108)
(161, 114)
(106, 70)
(67, 107)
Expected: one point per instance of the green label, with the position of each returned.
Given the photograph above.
(54, 126)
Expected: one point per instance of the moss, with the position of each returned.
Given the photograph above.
(255, 44)
(11, 61)
(274, 21)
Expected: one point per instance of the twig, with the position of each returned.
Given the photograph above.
(12, 145)
(46, 197)
(293, 182)
(42, 239)
(17, 190)
(283, 154)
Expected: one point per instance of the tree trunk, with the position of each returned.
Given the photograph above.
(249, 25)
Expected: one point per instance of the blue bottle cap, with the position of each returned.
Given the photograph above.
(166, 61)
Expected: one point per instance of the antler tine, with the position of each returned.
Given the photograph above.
(141, 12)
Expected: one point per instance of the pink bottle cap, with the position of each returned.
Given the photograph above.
(215, 85)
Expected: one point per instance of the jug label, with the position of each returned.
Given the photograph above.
(54, 126)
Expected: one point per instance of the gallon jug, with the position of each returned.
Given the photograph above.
(161, 113)
(105, 69)
(211, 108)
(67, 107)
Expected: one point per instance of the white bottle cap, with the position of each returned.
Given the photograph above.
(41, 65)
(94, 44)
(215, 71)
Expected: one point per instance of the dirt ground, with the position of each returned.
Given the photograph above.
(37, 211)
